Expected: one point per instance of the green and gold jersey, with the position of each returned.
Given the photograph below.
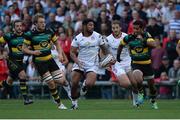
(139, 51)
(15, 45)
(41, 41)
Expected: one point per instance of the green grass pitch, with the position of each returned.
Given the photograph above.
(89, 109)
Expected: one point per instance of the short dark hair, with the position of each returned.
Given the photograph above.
(36, 16)
(86, 21)
(16, 21)
(116, 22)
(139, 22)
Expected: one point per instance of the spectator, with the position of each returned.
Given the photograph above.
(103, 18)
(174, 72)
(142, 14)
(165, 92)
(52, 23)
(60, 15)
(165, 65)
(156, 56)
(174, 24)
(167, 14)
(153, 12)
(38, 8)
(153, 28)
(171, 48)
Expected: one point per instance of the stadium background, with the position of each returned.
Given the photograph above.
(161, 17)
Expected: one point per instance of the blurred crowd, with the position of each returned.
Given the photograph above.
(161, 17)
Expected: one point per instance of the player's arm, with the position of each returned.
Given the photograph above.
(73, 54)
(178, 48)
(58, 47)
(120, 47)
(65, 59)
(26, 49)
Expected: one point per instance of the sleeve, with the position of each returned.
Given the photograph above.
(2, 40)
(27, 38)
(75, 42)
(179, 42)
(124, 41)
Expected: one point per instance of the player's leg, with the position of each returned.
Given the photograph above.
(76, 76)
(88, 82)
(134, 88)
(50, 66)
(62, 80)
(152, 93)
(120, 74)
(138, 76)
(23, 87)
(149, 76)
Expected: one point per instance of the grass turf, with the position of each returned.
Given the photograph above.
(89, 109)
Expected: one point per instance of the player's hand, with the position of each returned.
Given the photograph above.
(37, 52)
(113, 61)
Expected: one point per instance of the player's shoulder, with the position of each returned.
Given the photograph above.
(8, 36)
(110, 37)
(124, 34)
(78, 37)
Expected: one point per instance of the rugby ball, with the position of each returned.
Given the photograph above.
(106, 60)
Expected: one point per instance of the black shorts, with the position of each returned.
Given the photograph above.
(146, 69)
(15, 67)
(45, 66)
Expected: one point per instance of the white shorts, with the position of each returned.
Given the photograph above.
(86, 69)
(60, 65)
(117, 69)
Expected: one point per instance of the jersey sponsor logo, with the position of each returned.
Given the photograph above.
(43, 44)
(138, 49)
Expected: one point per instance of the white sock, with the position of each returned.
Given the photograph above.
(75, 102)
(134, 97)
(84, 84)
(67, 88)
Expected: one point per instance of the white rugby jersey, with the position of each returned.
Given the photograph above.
(113, 44)
(88, 48)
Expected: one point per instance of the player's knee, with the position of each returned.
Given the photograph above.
(47, 78)
(89, 83)
(137, 75)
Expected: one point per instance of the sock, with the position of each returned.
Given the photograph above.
(74, 102)
(23, 88)
(67, 88)
(54, 94)
(84, 87)
(140, 88)
(134, 97)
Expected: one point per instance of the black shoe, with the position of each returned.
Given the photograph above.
(28, 101)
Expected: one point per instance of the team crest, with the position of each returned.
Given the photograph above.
(43, 44)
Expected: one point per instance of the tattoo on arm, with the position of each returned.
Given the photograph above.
(105, 49)
(73, 54)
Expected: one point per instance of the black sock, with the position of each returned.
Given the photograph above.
(23, 88)
(54, 94)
